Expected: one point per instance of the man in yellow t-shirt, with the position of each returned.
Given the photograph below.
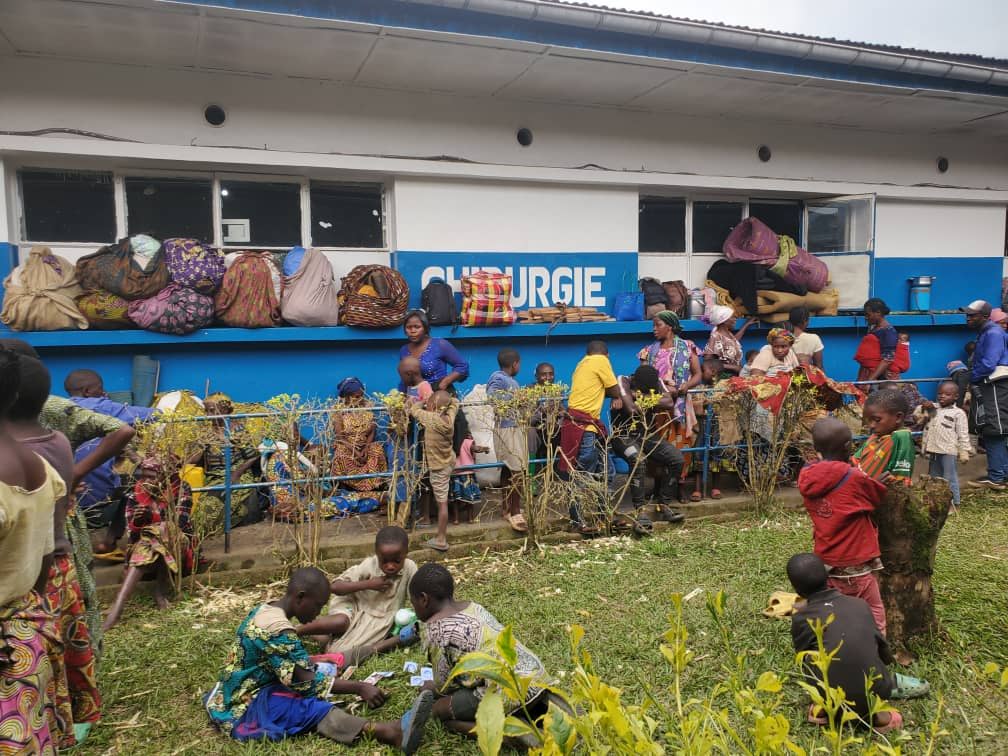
(592, 382)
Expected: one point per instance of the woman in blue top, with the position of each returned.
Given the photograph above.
(436, 355)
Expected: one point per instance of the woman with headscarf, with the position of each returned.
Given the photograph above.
(723, 342)
(436, 355)
(678, 366)
(247, 504)
(355, 451)
(777, 356)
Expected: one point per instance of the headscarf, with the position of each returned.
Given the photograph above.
(350, 386)
(720, 314)
(224, 404)
(421, 315)
(779, 333)
(670, 319)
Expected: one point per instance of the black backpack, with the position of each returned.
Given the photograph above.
(654, 292)
(438, 300)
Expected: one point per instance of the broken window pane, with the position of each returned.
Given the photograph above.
(260, 214)
(346, 215)
(68, 206)
(169, 207)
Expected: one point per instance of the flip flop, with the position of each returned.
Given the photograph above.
(817, 716)
(413, 721)
(895, 723)
(696, 496)
(113, 557)
(432, 544)
(518, 523)
(715, 493)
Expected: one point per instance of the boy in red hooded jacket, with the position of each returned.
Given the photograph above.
(840, 500)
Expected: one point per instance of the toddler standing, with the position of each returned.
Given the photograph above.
(437, 416)
(946, 435)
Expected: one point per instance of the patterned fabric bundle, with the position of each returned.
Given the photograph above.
(194, 265)
(486, 299)
(247, 298)
(309, 294)
(113, 268)
(175, 309)
(39, 295)
(104, 310)
(373, 296)
(751, 241)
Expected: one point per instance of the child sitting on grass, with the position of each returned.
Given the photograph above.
(946, 435)
(437, 416)
(863, 653)
(840, 500)
(454, 628)
(889, 452)
(160, 531)
(370, 593)
(270, 689)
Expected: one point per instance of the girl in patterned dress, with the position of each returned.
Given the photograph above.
(160, 533)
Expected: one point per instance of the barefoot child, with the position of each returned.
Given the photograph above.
(270, 689)
(438, 421)
(889, 451)
(451, 630)
(864, 651)
(946, 435)
(369, 594)
(160, 533)
(510, 442)
(840, 500)
(77, 700)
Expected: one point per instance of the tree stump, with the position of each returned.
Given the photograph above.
(909, 522)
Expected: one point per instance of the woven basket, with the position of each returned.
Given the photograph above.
(386, 310)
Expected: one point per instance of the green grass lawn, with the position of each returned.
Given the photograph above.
(157, 664)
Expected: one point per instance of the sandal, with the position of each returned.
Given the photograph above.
(116, 556)
(817, 716)
(413, 721)
(895, 723)
(432, 544)
(517, 523)
(696, 496)
(715, 493)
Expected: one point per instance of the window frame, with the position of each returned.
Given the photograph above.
(742, 199)
(21, 218)
(122, 175)
(257, 178)
(384, 205)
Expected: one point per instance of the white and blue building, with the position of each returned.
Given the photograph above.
(575, 146)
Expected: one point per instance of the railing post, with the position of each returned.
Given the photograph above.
(708, 411)
(227, 486)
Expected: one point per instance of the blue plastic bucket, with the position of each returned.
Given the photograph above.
(920, 293)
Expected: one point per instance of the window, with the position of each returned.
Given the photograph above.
(68, 206)
(712, 222)
(661, 224)
(783, 216)
(346, 215)
(840, 224)
(169, 207)
(260, 214)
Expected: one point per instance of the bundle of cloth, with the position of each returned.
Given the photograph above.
(753, 241)
(754, 289)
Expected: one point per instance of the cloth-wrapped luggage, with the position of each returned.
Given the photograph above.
(486, 299)
(104, 310)
(309, 295)
(175, 309)
(115, 269)
(194, 265)
(39, 294)
(751, 241)
(247, 297)
(373, 296)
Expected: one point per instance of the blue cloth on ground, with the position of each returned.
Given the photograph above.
(277, 712)
(128, 413)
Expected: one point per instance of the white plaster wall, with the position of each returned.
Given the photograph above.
(938, 229)
(164, 107)
(469, 216)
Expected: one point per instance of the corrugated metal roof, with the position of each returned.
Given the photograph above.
(934, 54)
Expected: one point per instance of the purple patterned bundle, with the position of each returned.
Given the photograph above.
(176, 310)
(194, 265)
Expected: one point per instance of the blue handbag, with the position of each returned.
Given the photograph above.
(629, 305)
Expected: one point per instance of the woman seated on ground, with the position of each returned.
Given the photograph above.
(355, 451)
(160, 533)
(776, 357)
(247, 504)
(808, 347)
